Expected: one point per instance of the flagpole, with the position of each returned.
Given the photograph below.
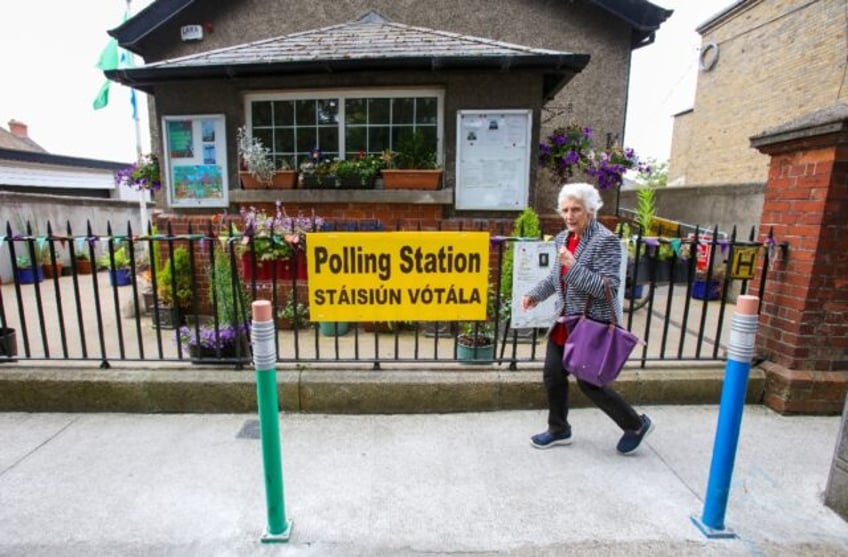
(142, 194)
(132, 92)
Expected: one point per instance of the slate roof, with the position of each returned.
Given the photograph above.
(643, 17)
(9, 140)
(370, 43)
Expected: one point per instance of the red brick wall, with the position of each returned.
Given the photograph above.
(803, 320)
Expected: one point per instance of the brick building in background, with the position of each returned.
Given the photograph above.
(762, 64)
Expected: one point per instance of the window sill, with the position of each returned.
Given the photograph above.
(437, 197)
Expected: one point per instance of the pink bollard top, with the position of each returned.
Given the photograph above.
(745, 304)
(261, 310)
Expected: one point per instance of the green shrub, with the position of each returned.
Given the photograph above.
(178, 267)
(526, 225)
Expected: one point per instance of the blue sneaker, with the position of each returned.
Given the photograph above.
(631, 439)
(546, 440)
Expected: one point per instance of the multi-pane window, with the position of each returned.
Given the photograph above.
(340, 125)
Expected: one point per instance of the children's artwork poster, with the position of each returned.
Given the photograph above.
(180, 139)
(493, 159)
(196, 161)
(532, 262)
(203, 181)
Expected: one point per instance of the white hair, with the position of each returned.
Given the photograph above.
(584, 193)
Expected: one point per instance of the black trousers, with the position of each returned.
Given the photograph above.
(556, 386)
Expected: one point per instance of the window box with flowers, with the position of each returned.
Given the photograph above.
(358, 172)
(271, 246)
(414, 166)
(258, 169)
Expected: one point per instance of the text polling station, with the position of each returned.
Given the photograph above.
(398, 276)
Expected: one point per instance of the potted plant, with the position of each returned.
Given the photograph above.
(225, 336)
(293, 315)
(708, 285)
(333, 328)
(8, 344)
(270, 244)
(26, 272)
(475, 342)
(258, 168)
(357, 172)
(413, 166)
(121, 273)
(82, 262)
(50, 270)
(175, 291)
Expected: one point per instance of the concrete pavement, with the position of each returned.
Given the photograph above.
(413, 484)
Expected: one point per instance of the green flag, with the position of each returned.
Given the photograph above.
(108, 61)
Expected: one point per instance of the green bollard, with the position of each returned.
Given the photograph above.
(265, 360)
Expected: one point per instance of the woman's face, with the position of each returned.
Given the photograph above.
(575, 215)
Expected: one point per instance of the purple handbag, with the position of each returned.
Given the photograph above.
(595, 351)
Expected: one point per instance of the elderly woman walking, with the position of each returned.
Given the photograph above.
(587, 255)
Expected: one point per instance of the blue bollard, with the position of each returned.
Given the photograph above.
(743, 332)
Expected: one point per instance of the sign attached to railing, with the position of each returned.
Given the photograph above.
(744, 263)
(398, 276)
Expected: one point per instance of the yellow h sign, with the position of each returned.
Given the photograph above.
(744, 263)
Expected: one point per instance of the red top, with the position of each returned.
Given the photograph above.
(559, 334)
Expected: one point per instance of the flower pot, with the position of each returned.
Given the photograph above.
(265, 270)
(251, 182)
(8, 344)
(664, 270)
(411, 179)
(333, 328)
(294, 267)
(120, 277)
(29, 275)
(355, 183)
(205, 355)
(51, 271)
(634, 293)
(83, 267)
(284, 180)
(313, 182)
(702, 291)
(167, 317)
(484, 354)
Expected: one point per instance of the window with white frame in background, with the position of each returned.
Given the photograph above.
(342, 124)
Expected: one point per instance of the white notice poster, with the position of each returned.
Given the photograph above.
(532, 262)
(493, 159)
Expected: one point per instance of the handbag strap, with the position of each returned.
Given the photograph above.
(608, 296)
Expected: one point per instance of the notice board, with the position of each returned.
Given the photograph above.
(493, 159)
(195, 160)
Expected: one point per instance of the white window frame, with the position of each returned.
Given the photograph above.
(342, 94)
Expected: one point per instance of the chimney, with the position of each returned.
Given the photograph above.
(18, 129)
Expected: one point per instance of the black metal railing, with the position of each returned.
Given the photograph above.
(195, 308)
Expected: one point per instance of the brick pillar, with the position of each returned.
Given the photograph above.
(804, 316)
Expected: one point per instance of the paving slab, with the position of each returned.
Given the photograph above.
(411, 484)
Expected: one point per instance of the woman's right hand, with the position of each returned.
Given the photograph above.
(527, 303)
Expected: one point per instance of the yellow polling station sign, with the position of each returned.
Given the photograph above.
(398, 276)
